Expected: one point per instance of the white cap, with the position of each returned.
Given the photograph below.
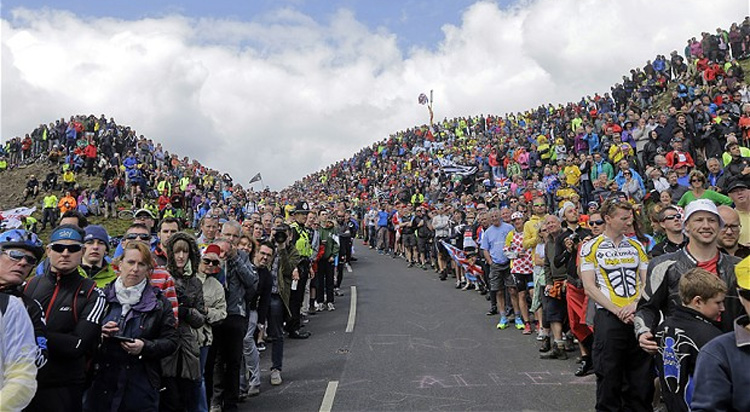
(702, 205)
(516, 215)
(565, 207)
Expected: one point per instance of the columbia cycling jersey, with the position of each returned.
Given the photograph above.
(617, 267)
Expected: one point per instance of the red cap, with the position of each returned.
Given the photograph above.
(213, 249)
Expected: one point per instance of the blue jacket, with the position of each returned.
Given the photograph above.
(620, 179)
(593, 140)
(721, 374)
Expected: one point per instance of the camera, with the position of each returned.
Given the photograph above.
(280, 235)
(574, 237)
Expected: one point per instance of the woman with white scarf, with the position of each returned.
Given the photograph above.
(139, 330)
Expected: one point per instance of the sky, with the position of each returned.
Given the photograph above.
(286, 88)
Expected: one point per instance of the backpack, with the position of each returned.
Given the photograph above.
(78, 305)
(4, 300)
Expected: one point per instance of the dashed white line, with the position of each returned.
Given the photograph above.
(330, 395)
(352, 311)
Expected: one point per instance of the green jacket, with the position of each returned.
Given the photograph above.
(104, 277)
(327, 241)
(289, 259)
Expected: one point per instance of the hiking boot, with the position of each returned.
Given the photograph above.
(276, 377)
(557, 352)
(519, 324)
(503, 323)
(546, 345)
(586, 366)
(527, 328)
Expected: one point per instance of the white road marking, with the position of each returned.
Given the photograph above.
(352, 311)
(330, 395)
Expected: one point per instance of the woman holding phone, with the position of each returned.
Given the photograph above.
(138, 331)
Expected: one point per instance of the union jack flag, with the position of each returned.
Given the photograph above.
(501, 181)
(473, 272)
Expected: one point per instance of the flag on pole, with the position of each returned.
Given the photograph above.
(256, 178)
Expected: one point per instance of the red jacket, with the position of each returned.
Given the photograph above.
(90, 151)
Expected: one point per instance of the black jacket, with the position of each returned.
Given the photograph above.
(680, 338)
(263, 299)
(661, 291)
(667, 246)
(73, 307)
(565, 258)
(150, 320)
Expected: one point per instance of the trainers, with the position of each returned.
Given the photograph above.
(519, 324)
(503, 323)
(330, 307)
(276, 377)
(527, 328)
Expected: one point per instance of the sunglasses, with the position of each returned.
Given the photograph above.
(211, 262)
(696, 180)
(596, 222)
(677, 216)
(60, 248)
(17, 256)
(134, 236)
(745, 293)
(538, 204)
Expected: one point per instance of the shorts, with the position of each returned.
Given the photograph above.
(500, 276)
(524, 281)
(410, 239)
(555, 310)
(440, 248)
(423, 244)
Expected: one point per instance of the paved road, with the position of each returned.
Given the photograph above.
(418, 344)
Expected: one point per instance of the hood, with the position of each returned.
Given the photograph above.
(194, 252)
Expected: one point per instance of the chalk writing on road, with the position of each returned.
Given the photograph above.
(497, 379)
(409, 342)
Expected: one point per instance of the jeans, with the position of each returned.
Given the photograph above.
(202, 401)
(276, 312)
(250, 354)
(325, 282)
(227, 357)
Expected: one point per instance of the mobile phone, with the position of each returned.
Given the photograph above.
(122, 339)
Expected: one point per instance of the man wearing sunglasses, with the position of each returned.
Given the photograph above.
(73, 306)
(670, 220)
(19, 252)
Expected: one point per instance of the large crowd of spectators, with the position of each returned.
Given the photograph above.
(653, 174)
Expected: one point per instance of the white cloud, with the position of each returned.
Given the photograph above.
(287, 95)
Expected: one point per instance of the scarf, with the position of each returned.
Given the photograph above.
(128, 296)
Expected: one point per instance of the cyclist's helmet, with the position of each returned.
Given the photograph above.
(22, 239)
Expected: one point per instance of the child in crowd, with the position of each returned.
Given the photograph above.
(683, 333)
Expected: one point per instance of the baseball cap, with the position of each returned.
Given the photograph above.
(737, 184)
(516, 215)
(702, 205)
(742, 271)
(146, 211)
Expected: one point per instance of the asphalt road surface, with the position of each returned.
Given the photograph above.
(417, 344)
